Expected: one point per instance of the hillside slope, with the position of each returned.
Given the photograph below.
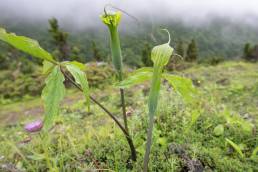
(215, 132)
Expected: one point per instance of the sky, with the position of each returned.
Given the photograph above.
(84, 13)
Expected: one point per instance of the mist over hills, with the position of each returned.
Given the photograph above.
(219, 28)
(221, 37)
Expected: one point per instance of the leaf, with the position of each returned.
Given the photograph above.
(26, 45)
(236, 147)
(219, 130)
(52, 94)
(162, 141)
(47, 67)
(236, 119)
(182, 85)
(81, 79)
(80, 65)
(36, 157)
(137, 77)
(254, 154)
(195, 114)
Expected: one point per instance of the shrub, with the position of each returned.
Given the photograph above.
(212, 60)
(99, 74)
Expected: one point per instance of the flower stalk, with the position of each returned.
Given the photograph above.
(112, 20)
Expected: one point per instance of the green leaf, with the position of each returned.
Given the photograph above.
(235, 147)
(137, 77)
(47, 67)
(36, 157)
(52, 95)
(81, 79)
(26, 45)
(236, 119)
(254, 154)
(182, 85)
(162, 141)
(143, 69)
(80, 65)
(195, 114)
(219, 130)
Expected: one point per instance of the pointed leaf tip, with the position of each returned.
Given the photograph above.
(169, 39)
(137, 77)
(26, 45)
(181, 85)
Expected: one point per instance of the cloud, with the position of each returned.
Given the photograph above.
(84, 13)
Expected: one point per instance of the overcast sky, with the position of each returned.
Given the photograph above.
(86, 12)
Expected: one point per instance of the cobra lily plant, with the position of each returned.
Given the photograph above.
(160, 56)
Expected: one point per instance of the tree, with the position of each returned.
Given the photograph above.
(76, 54)
(255, 52)
(247, 51)
(96, 54)
(192, 52)
(132, 59)
(60, 40)
(180, 48)
(3, 62)
(146, 55)
(250, 53)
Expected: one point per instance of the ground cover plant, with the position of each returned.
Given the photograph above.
(184, 136)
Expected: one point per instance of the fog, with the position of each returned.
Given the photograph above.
(85, 13)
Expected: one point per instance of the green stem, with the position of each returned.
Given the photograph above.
(124, 109)
(153, 103)
(148, 143)
(98, 103)
(127, 135)
(117, 62)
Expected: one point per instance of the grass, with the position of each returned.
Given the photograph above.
(184, 137)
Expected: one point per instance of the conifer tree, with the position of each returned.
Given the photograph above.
(146, 55)
(96, 53)
(247, 51)
(180, 49)
(192, 52)
(60, 40)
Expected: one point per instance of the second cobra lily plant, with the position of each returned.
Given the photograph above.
(56, 73)
(160, 56)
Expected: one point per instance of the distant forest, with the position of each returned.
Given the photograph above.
(220, 38)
